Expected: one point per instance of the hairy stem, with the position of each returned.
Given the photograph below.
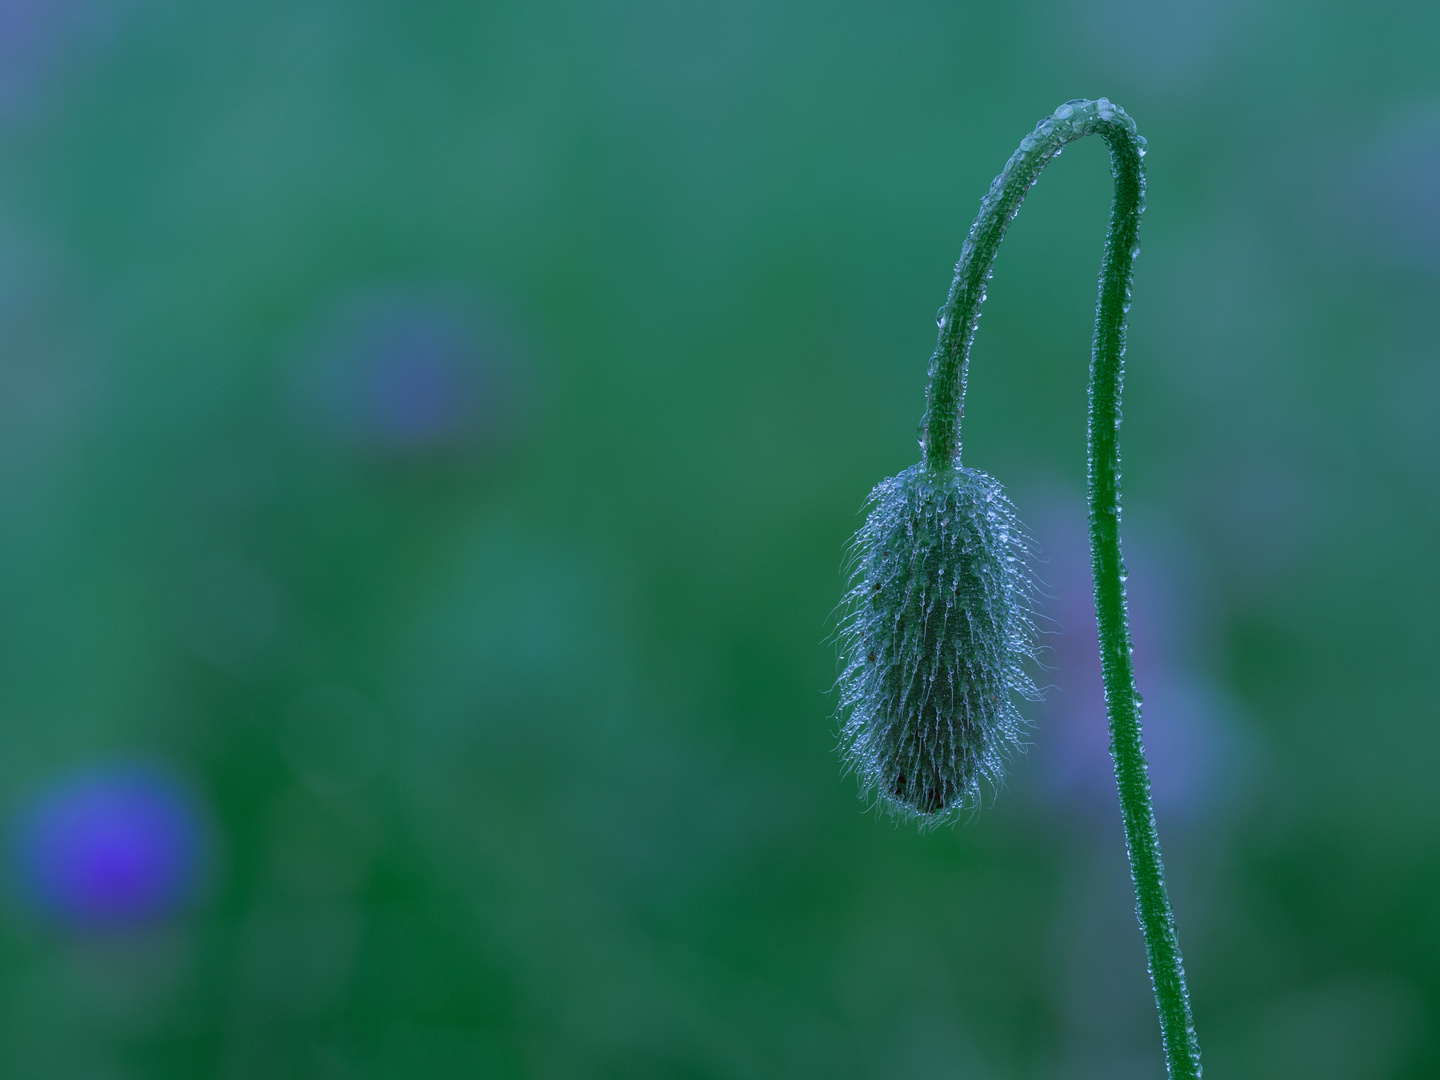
(945, 404)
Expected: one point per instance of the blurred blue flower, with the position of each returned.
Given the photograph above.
(37, 37)
(408, 372)
(114, 845)
(1195, 756)
(1376, 197)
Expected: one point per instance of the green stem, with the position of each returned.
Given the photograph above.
(946, 398)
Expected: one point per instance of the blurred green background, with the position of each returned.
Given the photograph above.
(429, 434)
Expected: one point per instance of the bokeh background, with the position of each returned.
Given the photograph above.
(429, 433)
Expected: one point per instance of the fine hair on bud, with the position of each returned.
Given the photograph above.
(936, 631)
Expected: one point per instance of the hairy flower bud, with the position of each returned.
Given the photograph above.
(936, 630)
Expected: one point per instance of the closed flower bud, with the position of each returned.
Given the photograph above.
(935, 633)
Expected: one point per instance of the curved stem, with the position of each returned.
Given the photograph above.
(945, 398)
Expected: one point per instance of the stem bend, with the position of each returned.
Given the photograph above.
(945, 396)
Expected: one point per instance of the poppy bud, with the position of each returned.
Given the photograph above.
(935, 632)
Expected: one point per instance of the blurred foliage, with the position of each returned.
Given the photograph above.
(514, 730)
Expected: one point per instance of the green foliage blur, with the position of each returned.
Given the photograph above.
(433, 431)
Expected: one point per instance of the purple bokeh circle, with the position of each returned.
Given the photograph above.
(113, 845)
(408, 372)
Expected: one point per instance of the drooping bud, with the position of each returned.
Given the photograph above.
(935, 634)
